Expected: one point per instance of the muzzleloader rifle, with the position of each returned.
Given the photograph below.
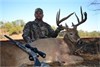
(31, 51)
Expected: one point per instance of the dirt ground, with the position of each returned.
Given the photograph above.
(17, 37)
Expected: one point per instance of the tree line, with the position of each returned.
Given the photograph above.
(16, 27)
(83, 33)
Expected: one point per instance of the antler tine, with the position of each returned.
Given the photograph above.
(66, 17)
(66, 25)
(77, 20)
(85, 15)
(82, 19)
(81, 13)
(58, 17)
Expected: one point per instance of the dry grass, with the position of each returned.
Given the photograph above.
(16, 36)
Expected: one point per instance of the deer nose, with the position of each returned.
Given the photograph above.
(78, 39)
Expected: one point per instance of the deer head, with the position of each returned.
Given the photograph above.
(71, 33)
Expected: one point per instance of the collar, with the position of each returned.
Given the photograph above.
(38, 20)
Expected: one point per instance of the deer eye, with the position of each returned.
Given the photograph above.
(71, 33)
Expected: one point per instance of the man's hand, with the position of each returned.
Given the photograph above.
(60, 27)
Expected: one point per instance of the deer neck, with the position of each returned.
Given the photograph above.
(70, 44)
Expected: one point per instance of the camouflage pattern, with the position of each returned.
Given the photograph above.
(38, 10)
(34, 30)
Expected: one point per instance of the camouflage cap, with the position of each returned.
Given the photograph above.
(38, 9)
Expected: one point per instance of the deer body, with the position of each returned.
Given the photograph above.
(56, 51)
(11, 55)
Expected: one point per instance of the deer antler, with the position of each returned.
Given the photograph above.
(58, 17)
(82, 19)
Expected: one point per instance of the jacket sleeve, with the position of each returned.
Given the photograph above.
(26, 33)
(53, 33)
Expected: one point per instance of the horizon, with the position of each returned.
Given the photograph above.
(12, 10)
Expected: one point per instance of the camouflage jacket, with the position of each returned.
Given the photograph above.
(34, 30)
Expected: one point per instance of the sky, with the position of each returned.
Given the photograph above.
(11, 10)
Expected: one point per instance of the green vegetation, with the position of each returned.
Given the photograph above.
(89, 34)
(14, 27)
(83, 33)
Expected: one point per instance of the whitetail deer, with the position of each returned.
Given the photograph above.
(56, 49)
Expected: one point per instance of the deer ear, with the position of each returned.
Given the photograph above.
(66, 25)
(74, 27)
(66, 29)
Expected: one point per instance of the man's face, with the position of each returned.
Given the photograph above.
(38, 15)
